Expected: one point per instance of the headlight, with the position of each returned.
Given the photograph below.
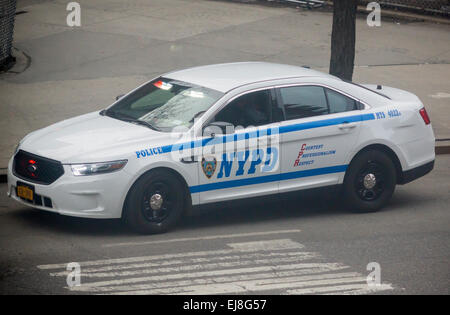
(97, 168)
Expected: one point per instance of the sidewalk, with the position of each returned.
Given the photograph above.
(122, 44)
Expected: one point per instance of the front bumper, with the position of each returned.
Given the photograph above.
(95, 196)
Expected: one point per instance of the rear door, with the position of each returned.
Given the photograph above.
(320, 128)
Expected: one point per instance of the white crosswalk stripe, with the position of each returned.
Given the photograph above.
(248, 267)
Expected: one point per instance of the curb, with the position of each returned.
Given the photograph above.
(442, 150)
(442, 147)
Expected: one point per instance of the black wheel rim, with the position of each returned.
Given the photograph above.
(370, 181)
(159, 214)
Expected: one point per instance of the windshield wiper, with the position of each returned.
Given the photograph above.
(128, 118)
(143, 123)
(115, 114)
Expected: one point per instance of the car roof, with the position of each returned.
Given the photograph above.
(227, 76)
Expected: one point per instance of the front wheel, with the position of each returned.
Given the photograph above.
(155, 203)
(369, 182)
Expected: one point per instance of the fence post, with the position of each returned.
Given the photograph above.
(7, 14)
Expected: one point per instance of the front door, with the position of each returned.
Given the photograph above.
(245, 162)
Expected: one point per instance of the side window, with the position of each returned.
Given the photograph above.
(303, 101)
(340, 103)
(252, 109)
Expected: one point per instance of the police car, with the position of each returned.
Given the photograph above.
(225, 132)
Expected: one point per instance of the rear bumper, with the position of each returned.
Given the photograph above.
(415, 173)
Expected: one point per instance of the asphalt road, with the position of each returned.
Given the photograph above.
(301, 245)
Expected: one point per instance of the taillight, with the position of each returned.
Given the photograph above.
(425, 117)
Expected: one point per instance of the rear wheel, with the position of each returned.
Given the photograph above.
(155, 203)
(369, 182)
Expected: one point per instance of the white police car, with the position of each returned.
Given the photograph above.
(224, 132)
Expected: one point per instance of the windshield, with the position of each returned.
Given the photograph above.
(163, 104)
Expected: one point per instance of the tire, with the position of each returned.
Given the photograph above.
(369, 168)
(148, 215)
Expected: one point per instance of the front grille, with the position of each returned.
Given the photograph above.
(36, 169)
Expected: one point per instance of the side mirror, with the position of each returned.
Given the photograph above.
(218, 127)
(118, 97)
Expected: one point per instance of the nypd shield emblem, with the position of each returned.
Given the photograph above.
(209, 166)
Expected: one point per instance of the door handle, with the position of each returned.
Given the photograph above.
(270, 138)
(346, 125)
(265, 141)
(188, 160)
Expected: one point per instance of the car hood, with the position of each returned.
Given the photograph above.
(89, 138)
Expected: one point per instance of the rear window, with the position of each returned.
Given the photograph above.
(366, 88)
(340, 103)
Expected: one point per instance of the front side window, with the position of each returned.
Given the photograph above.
(164, 104)
(303, 101)
(252, 109)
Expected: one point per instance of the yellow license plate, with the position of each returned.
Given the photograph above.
(25, 192)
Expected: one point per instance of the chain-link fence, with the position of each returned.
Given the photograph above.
(7, 12)
(441, 7)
